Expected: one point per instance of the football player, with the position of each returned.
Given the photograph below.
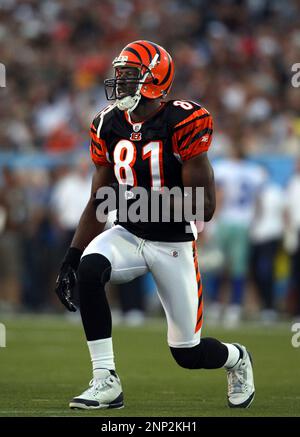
(143, 140)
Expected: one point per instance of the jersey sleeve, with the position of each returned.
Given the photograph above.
(98, 148)
(193, 135)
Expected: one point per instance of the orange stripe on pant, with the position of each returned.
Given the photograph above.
(200, 299)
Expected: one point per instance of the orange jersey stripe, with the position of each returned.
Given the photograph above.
(200, 297)
(199, 112)
(193, 135)
(95, 138)
(98, 149)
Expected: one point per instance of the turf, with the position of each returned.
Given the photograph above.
(46, 363)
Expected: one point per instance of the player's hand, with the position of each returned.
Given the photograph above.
(65, 284)
(67, 278)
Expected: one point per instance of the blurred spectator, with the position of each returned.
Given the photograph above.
(69, 198)
(132, 301)
(293, 228)
(238, 183)
(37, 241)
(266, 236)
(13, 216)
(234, 56)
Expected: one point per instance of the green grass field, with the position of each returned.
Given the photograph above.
(46, 363)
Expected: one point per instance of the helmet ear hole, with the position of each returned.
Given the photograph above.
(155, 81)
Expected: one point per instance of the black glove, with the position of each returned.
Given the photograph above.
(67, 278)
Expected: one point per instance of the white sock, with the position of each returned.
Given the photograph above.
(102, 355)
(233, 355)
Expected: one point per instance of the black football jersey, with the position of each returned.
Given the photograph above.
(150, 154)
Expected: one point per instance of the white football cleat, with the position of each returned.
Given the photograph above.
(104, 392)
(241, 389)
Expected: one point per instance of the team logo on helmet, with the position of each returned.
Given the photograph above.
(120, 60)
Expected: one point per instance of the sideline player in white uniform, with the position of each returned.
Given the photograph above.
(143, 141)
(239, 182)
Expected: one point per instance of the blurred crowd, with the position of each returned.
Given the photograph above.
(234, 56)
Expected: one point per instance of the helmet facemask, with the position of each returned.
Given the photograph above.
(131, 86)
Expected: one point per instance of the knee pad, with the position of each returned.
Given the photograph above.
(208, 354)
(187, 357)
(94, 268)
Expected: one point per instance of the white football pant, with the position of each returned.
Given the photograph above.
(174, 267)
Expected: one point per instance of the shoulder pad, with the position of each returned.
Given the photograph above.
(179, 110)
(102, 121)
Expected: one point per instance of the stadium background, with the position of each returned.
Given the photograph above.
(234, 57)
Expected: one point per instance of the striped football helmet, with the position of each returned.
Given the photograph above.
(153, 78)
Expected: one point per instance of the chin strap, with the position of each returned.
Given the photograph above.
(129, 103)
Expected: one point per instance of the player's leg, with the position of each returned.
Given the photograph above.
(175, 269)
(112, 256)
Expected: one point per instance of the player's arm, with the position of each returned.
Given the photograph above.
(191, 140)
(89, 227)
(198, 172)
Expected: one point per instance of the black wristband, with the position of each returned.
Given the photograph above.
(72, 257)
